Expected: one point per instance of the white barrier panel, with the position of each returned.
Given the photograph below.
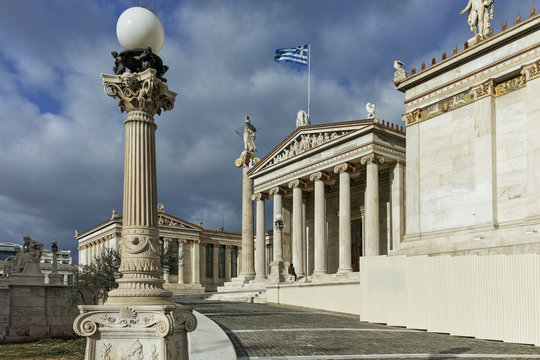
(490, 297)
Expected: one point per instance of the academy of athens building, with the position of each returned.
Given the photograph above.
(435, 228)
(339, 189)
(205, 258)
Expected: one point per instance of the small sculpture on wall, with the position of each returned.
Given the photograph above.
(401, 74)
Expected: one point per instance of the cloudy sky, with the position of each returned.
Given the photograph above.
(61, 137)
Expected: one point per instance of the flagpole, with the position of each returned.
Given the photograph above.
(309, 82)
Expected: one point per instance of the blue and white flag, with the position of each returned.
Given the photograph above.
(296, 55)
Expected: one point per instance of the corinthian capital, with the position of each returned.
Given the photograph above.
(139, 92)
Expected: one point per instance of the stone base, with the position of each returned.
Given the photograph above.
(27, 279)
(54, 279)
(184, 289)
(157, 332)
(278, 272)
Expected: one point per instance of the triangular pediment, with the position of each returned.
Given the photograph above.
(309, 139)
(165, 219)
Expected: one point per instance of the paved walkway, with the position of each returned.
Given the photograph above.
(261, 331)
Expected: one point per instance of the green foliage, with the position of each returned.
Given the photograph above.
(92, 282)
(49, 349)
(169, 258)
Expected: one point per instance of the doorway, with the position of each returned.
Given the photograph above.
(356, 244)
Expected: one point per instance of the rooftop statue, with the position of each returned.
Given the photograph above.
(370, 108)
(401, 74)
(249, 136)
(302, 118)
(480, 14)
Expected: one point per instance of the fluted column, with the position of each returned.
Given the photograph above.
(372, 203)
(215, 262)
(260, 258)
(276, 193)
(398, 199)
(142, 96)
(195, 262)
(228, 263)
(344, 217)
(297, 231)
(166, 243)
(319, 223)
(180, 261)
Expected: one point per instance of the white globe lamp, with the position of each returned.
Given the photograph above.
(139, 28)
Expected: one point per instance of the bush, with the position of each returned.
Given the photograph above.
(92, 282)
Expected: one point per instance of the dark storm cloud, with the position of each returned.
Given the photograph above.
(61, 144)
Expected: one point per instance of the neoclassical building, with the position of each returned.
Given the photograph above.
(337, 191)
(205, 258)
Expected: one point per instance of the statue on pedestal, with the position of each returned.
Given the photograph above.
(27, 260)
(480, 14)
(302, 118)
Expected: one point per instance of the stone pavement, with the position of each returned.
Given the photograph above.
(268, 331)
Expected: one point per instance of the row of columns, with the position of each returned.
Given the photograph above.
(371, 205)
(195, 259)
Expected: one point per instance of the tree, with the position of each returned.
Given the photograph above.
(92, 283)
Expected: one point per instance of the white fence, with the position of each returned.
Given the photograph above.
(490, 297)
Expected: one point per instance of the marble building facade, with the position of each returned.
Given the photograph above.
(206, 258)
(339, 189)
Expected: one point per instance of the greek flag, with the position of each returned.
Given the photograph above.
(296, 55)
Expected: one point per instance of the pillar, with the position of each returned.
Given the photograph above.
(215, 261)
(180, 261)
(166, 243)
(140, 293)
(319, 223)
(278, 236)
(228, 263)
(195, 262)
(344, 217)
(372, 203)
(260, 258)
(297, 233)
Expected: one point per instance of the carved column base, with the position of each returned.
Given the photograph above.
(157, 332)
(278, 272)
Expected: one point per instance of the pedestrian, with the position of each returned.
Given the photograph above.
(292, 272)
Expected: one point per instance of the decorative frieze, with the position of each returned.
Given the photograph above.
(304, 143)
(163, 220)
(480, 91)
(531, 71)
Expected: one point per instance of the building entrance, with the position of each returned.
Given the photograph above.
(356, 244)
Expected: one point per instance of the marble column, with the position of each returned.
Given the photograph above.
(166, 243)
(297, 231)
(260, 258)
(140, 293)
(319, 223)
(276, 193)
(195, 262)
(344, 217)
(277, 266)
(215, 262)
(372, 239)
(228, 263)
(397, 177)
(180, 261)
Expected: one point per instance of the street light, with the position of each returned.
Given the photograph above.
(279, 222)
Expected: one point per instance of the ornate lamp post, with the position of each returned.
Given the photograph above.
(139, 317)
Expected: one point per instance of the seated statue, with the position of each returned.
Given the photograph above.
(27, 259)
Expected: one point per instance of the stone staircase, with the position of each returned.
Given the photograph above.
(250, 296)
